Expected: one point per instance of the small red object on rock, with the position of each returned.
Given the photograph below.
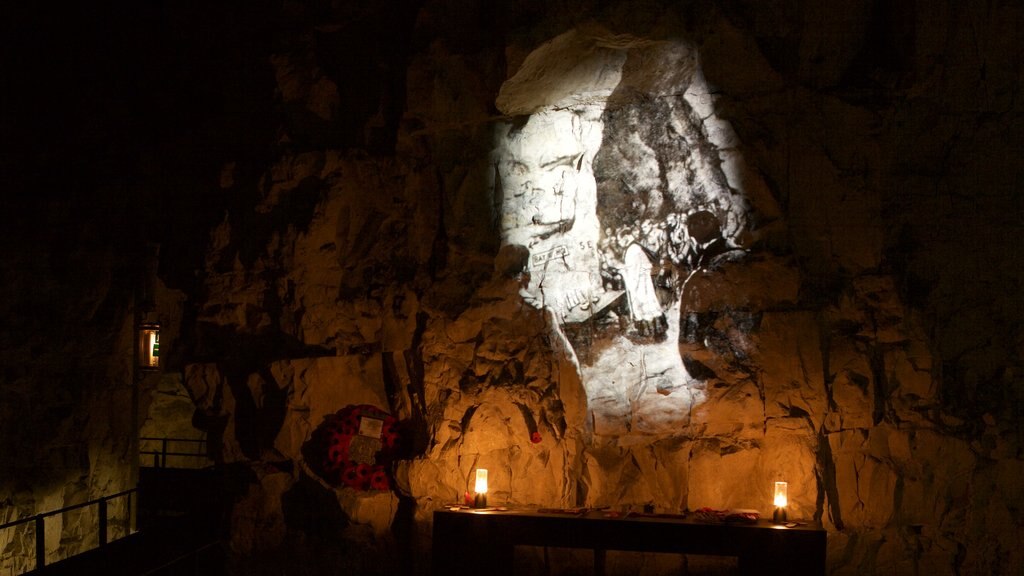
(535, 437)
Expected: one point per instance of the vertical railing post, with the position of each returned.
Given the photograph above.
(163, 450)
(102, 512)
(128, 516)
(40, 542)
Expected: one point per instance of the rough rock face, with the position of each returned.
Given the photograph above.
(626, 254)
(817, 343)
(67, 420)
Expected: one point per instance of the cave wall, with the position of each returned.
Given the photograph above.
(101, 111)
(863, 341)
(858, 186)
(66, 418)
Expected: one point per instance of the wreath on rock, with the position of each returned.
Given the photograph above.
(354, 447)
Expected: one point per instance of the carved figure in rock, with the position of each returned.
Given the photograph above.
(701, 341)
(706, 240)
(549, 205)
(644, 306)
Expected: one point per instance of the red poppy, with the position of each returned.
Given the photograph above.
(338, 452)
(379, 480)
(350, 477)
(350, 425)
(363, 472)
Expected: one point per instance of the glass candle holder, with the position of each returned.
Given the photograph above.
(781, 501)
(480, 489)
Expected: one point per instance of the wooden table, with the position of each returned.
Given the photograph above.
(475, 542)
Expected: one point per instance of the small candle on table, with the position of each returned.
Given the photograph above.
(781, 502)
(480, 488)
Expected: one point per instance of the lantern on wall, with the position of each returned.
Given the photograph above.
(149, 346)
(781, 501)
(480, 489)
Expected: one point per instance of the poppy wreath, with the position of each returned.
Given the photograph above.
(328, 449)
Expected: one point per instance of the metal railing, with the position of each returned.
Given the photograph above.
(159, 455)
(165, 447)
(102, 505)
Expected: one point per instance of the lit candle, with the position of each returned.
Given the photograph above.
(781, 494)
(481, 481)
(480, 499)
(781, 501)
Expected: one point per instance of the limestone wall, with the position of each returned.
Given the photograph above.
(830, 349)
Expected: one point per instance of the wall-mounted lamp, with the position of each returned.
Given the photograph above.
(480, 489)
(781, 502)
(149, 346)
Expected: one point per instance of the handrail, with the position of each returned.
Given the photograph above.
(159, 461)
(160, 456)
(40, 521)
(169, 438)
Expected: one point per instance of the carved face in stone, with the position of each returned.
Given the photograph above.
(548, 200)
(703, 226)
